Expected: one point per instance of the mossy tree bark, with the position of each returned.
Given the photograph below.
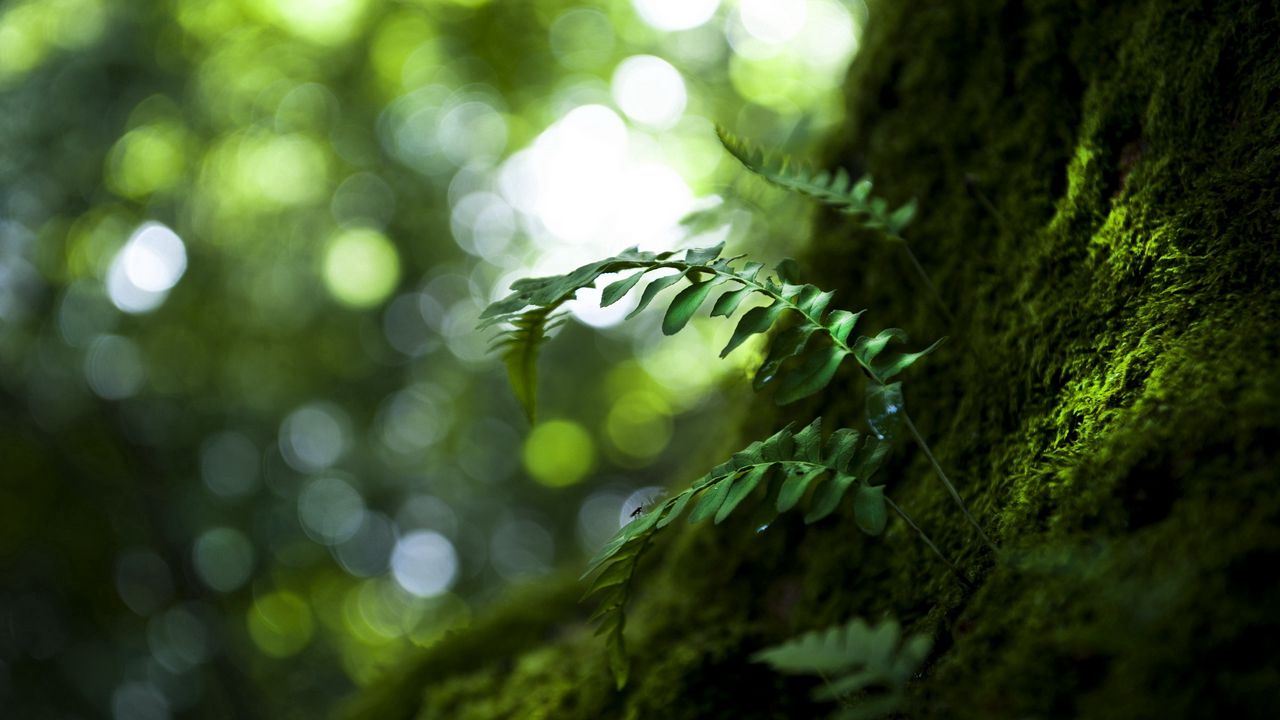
(1100, 193)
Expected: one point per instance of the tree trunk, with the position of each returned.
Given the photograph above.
(1100, 200)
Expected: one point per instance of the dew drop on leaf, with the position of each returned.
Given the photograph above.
(884, 410)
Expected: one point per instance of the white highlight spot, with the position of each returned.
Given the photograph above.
(676, 14)
(772, 21)
(146, 268)
(577, 162)
(424, 563)
(650, 91)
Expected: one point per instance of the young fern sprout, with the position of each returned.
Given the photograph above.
(839, 191)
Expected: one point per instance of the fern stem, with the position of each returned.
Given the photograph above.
(924, 278)
(923, 536)
(942, 475)
(972, 185)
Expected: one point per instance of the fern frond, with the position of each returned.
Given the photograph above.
(852, 658)
(837, 189)
(800, 367)
(790, 464)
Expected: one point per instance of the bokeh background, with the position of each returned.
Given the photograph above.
(253, 451)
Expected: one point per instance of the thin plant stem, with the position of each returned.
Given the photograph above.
(987, 205)
(907, 519)
(942, 475)
(924, 278)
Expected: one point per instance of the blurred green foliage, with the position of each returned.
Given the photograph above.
(252, 450)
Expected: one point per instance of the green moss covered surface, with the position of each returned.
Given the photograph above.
(1100, 208)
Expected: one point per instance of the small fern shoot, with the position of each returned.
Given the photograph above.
(790, 465)
(853, 658)
(837, 190)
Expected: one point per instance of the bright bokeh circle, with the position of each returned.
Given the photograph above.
(361, 267)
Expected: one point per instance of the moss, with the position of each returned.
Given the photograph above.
(1100, 190)
(1119, 402)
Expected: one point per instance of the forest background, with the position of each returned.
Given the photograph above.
(254, 450)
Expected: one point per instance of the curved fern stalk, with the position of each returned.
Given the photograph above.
(852, 658)
(792, 466)
(837, 190)
(797, 364)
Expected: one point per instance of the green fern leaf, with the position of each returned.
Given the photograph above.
(840, 323)
(675, 508)
(840, 448)
(808, 442)
(524, 341)
(828, 496)
(702, 256)
(854, 658)
(821, 651)
(811, 376)
(756, 320)
(739, 489)
(685, 305)
(779, 446)
(885, 371)
(615, 291)
(652, 289)
(795, 486)
(869, 509)
(902, 217)
(868, 349)
(784, 346)
(750, 271)
(727, 303)
(710, 502)
(619, 662)
(788, 271)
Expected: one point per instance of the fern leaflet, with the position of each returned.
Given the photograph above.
(852, 658)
